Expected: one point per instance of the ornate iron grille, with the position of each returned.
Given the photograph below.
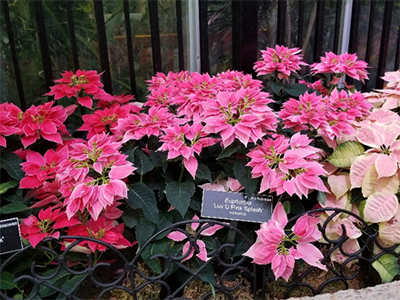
(66, 274)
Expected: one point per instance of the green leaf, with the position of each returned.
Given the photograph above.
(387, 266)
(158, 158)
(231, 149)
(142, 162)
(286, 207)
(243, 174)
(6, 281)
(141, 196)
(296, 89)
(203, 172)
(345, 154)
(321, 197)
(179, 194)
(157, 247)
(356, 196)
(206, 274)
(166, 219)
(296, 206)
(12, 164)
(70, 285)
(129, 217)
(144, 228)
(277, 87)
(13, 208)
(56, 281)
(5, 186)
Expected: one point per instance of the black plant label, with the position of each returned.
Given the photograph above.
(10, 236)
(236, 206)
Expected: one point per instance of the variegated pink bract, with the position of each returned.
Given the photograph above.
(243, 114)
(282, 60)
(188, 250)
(185, 141)
(341, 64)
(271, 246)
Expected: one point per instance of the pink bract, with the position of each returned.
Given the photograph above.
(282, 60)
(205, 230)
(270, 246)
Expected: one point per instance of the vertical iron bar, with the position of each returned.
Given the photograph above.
(370, 31)
(103, 49)
(383, 51)
(397, 58)
(44, 46)
(355, 20)
(155, 36)
(14, 55)
(236, 35)
(249, 47)
(370, 36)
(337, 26)
(300, 24)
(129, 47)
(204, 51)
(281, 30)
(179, 30)
(72, 34)
(319, 30)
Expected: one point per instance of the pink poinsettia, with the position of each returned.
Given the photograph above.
(282, 60)
(80, 85)
(185, 141)
(243, 114)
(43, 121)
(39, 168)
(103, 121)
(341, 64)
(188, 248)
(102, 230)
(93, 175)
(9, 121)
(36, 229)
(287, 165)
(271, 246)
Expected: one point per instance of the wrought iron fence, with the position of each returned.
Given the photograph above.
(158, 270)
(243, 26)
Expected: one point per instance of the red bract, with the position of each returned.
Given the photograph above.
(79, 85)
(46, 225)
(43, 121)
(104, 121)
(39, 168)
(102, 230)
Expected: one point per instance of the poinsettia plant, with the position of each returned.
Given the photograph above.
(116, 165)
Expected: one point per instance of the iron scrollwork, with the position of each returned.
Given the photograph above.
(70, 275)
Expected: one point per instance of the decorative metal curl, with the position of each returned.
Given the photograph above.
(132, 280)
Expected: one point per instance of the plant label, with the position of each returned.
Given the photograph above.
(10, 236)
(236, 206)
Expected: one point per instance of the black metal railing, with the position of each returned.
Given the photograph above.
(245, 16)
(158, 270)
